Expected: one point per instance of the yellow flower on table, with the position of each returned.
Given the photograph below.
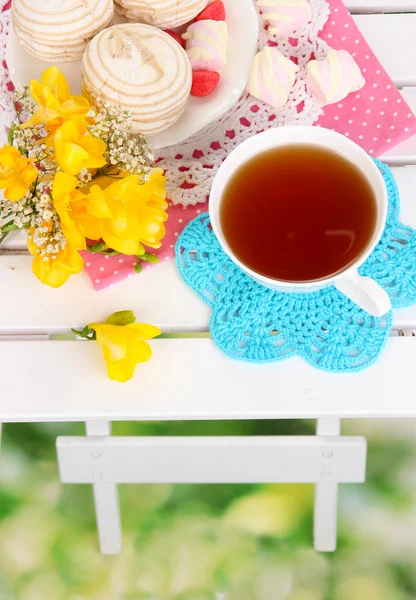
(56, 105)
(124, 346)
(75, 149)
(64, 193)
(16, 173)
(55, 271)
(137, 214)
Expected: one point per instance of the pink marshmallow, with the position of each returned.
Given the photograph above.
(206, 45)
(333, 78)
(271, 77)
(285, 17)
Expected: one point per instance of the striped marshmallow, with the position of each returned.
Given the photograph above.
(271, 77)
(333, 78)
(285, 17)
(206, 45)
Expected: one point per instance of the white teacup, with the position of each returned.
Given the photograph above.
(365, 292)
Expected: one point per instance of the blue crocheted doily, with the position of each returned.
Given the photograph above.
(252, 323)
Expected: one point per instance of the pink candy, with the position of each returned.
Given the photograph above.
(206, 45)
(285, 17)
(333, 78)
(271, 77)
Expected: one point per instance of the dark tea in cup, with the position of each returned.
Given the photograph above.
(298, 213)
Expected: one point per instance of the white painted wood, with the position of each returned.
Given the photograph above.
(375, 6)
(157, 296)
(98, 427)
(328, 427)
(325, 517)
(108, 518)
(107, 511)
(192, 379)
(391, 37)
(16, 240)
(263, 459)
(326, 493)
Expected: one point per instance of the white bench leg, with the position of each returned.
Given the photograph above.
(107, 510)
(326, 499)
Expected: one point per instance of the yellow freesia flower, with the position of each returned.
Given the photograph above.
(56, 105)
(16, 173)
(88, 212)
(124, 346)
(137, 215)
(55, 271)
(75, 149)
(64, 192)
(151, 199)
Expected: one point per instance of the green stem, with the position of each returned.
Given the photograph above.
(98, 247)
(103, 248)
(105, 171)
(10, 136)
(147, 257)
(4, 231)
(3, 236)
(9, 228)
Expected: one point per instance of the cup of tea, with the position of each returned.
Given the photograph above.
(301, 208)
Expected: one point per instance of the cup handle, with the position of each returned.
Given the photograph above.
(365, 292)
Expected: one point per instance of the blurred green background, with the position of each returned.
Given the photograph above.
(207, 542)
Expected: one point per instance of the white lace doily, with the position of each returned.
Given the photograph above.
(191, 165)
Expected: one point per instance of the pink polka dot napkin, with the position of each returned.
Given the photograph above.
(106, 270)
(377, 118)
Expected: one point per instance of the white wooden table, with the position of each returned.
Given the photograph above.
(188, 378)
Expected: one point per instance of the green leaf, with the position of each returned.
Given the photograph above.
(86, 333)
(10, 136)
(122, 317)
(149, 257)
(138, 268)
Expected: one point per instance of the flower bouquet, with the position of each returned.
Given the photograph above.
(75, 179)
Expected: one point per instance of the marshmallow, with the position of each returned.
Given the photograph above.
(206, 45)
(333, 78)
(271, 77)
(140, 68)
(285, 16)
(59, 30)
(160, 13)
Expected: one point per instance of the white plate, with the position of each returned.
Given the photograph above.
(242, 44)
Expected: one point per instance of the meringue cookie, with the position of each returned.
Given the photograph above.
(271, 77)
(160, 13)
(285, 17)
(143, 70)
(206, 45)
(59, 30)
(333, 78)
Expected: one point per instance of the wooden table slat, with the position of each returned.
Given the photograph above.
(380, 6)
(68, 383)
